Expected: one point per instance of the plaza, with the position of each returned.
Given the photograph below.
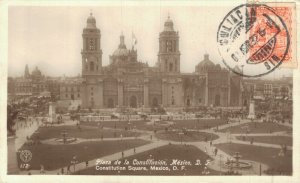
(143, 138)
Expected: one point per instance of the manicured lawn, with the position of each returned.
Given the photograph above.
(266, 155)
(255, 127)
(141, 125)
(280, 140)
(178, 124)
(188, 137)
(86, 132)
(116, 124)
(198, 124)
(57, 156)
(166, 153)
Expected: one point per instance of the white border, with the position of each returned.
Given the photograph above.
(4, 4)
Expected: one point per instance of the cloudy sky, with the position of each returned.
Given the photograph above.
(50, 37)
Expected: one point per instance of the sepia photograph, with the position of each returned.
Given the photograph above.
(159, 90)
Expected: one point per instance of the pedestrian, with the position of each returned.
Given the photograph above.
(42, 171)
(134, 150)
(122, 154)
(87, 163)
(281, 153)
(68, 169)
(62, 171)
(216, 151)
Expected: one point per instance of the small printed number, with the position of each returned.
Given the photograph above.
(24, 166)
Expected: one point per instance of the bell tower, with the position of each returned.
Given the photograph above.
(169, 55)
(91, 51)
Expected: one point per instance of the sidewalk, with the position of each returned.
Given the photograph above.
(280, 133)
(233, 124)
(259, 144)
(22, 133)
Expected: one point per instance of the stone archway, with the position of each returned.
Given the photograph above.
(217, 100)
(154, 102)
(110, 103)
(133, 102)
(188, 102)
(245, 103)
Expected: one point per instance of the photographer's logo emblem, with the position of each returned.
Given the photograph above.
(25, 156)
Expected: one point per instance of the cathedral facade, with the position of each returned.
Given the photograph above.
(127, 82)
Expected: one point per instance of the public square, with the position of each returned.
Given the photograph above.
(222, 142)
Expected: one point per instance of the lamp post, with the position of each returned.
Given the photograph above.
(135, 130)
(220, 164)
(181, 134)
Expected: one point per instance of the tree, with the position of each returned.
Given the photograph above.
(11, 116)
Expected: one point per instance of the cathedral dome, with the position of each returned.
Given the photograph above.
(122, 50)
(91, 22)
(36, 72)
(206, 62)
(205, 65)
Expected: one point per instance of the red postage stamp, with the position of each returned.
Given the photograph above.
(270, 40)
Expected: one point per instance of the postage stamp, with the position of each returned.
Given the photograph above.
(256, 38)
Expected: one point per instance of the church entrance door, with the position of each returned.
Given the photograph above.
(110, 103)
(154, 102)
(188, 102)
(133, 102)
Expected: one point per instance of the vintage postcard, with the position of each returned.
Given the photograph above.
(153, 91)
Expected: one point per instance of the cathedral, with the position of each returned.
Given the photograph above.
(127, 82)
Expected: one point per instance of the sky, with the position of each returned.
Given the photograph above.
(50, 37)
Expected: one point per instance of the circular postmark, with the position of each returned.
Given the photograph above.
(253, 40)
(25, 155)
